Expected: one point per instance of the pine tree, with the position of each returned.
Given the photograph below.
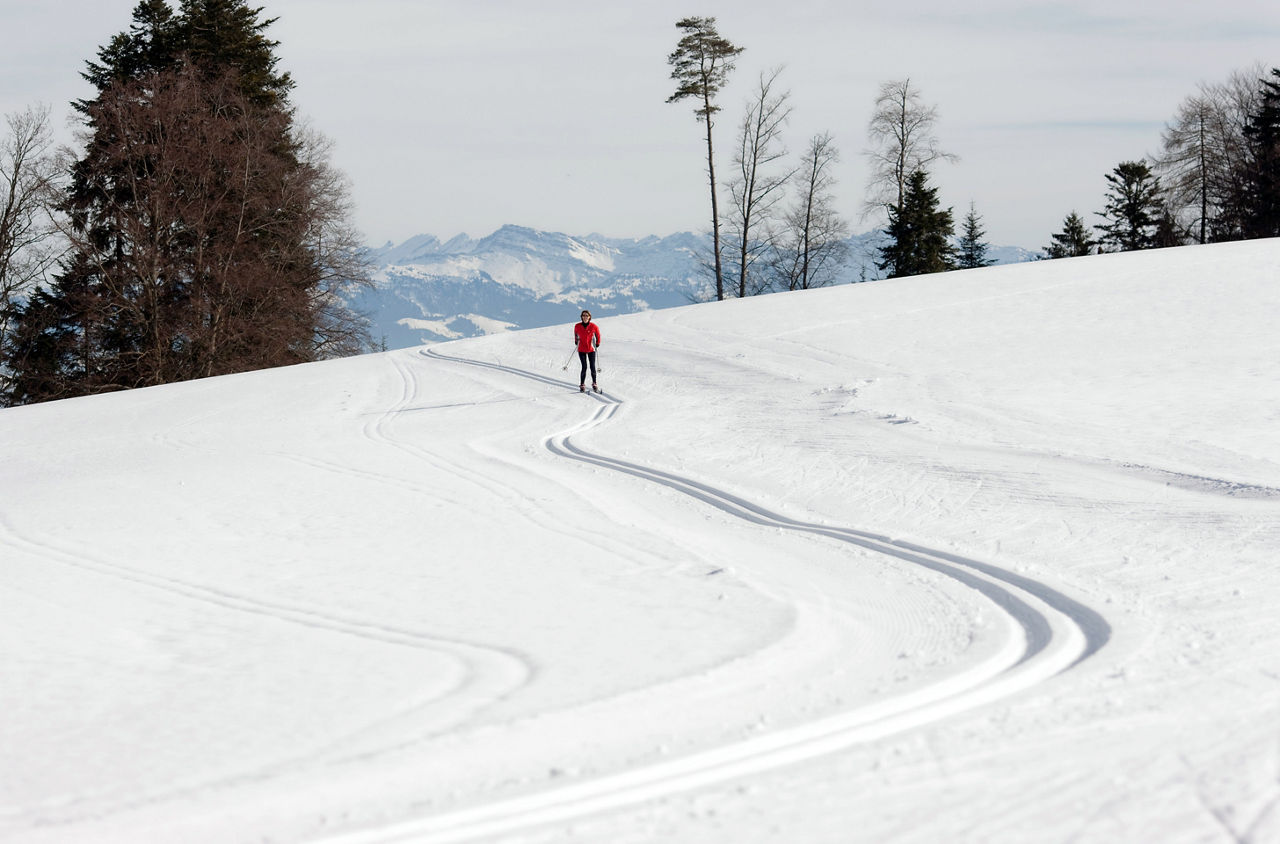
(55, 344)
(1134, 207)
(902, 139)
(217, 34)
(920, 234)
(1073, 241)
(1261, 198)
(151, 44)
(701, 64)
(971, 250)
(203, 231)
(211, 34)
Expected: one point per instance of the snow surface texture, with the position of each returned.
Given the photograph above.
(983, 556)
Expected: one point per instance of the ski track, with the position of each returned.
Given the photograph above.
(1059, 633)
(487, 674)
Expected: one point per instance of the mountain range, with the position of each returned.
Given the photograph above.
(427, 290)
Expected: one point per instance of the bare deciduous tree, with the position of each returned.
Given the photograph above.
(1187, 163)
(758, 184)
(337, 249)
(1205, 154)
(207, 240)
(814, 241)
(902, 138)
(28, 180)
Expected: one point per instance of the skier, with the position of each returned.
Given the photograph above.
(586, 337)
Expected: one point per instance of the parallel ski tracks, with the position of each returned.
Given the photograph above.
(1058, 632)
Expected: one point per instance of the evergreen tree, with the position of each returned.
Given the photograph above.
(1261, 183)
(1073, 241)
(151, 44)
(902, 138)
(218, 34)
(920, 234)
(1134, 207)
(54, 347)
(213, 35)
(202, 230)
(971, 250)
(700, 65)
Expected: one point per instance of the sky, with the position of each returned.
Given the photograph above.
(453, 117)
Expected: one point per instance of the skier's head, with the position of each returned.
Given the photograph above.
(586, 316)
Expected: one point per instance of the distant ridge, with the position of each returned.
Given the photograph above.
(428, 290)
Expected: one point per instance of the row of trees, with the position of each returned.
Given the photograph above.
(781, 229)
(199, 231)
(1216, 177)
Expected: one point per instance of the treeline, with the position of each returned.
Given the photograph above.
(1217, 178)
(198, 231)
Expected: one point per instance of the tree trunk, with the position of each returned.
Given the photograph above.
(715, 208)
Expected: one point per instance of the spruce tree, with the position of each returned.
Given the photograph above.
(1134, 207)
(920, 234)
(1073, 241)
(200, 226)
(902, 138)
(1261, 199)
(152, 43)
(971, 249)
(218, 34)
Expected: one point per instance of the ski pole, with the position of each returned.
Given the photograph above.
(566, 362)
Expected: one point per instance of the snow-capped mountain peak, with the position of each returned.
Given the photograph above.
(430, 290)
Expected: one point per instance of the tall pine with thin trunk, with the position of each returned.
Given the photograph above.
(700, 65)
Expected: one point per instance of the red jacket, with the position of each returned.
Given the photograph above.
(586, 336)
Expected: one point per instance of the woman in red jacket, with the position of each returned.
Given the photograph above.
(586, 336)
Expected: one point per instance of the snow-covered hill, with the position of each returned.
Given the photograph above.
(428, 290)
(982, 557)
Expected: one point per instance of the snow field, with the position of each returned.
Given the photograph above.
(986, 556)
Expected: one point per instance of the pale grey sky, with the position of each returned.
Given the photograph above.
(455, 116)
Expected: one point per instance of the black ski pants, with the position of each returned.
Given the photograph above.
(587, 357)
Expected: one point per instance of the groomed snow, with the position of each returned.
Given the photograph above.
(985, 556)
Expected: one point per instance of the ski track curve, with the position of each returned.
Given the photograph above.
(486, 674)
(1059, 631)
